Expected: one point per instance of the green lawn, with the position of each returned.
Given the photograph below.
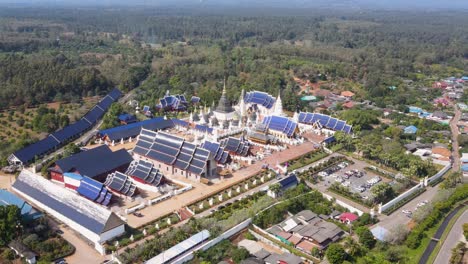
(415, 254)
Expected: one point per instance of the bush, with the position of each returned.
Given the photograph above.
(336, 254)
(366, 238)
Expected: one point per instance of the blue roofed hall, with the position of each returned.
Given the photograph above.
(60, 137)
(288, 182)
(124, 132)
(95, 163)
(127, 119)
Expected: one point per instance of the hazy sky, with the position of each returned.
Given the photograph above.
(361, 4)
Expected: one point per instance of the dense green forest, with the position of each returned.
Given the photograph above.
(64, 55)
(61, 54)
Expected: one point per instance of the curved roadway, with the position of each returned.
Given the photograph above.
(438, 235)
(452, 240)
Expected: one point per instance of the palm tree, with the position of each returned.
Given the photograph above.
(352, 247)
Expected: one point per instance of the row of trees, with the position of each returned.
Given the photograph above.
(313, 201)
(391, 153)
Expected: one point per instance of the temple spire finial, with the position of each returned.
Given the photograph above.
(224, 86)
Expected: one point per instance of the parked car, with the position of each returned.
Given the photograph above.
(60, 261)
(323, 174)
(359, 174)
(58, 231)
(339, 179)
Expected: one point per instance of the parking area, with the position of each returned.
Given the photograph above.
(353, 176)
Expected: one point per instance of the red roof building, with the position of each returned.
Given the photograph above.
(348, 218)
(440, 85)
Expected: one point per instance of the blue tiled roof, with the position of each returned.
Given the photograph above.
(95, 161)
(216, 151)
(325, 121)
(127, 118)
(195, 99)
(173, 102)
(60, 137)
(172, 150)
(281, 124)
(260, 98)
(132, 130)
(288, 182)
(90, 188)
(39, 148)
(236, 146)
(72, 175)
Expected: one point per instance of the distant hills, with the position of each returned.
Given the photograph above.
(290, 4)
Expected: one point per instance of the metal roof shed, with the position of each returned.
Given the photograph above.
(180, 248)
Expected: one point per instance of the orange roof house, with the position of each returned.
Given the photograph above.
(347, 94)
(441, 153)
(295, 239)
(348, 105)
(306, 246)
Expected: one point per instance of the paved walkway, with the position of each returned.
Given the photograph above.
(455, 235)
(455, 145)
(84, 253)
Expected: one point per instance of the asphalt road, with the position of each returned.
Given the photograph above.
(437, 235)
(452, 240)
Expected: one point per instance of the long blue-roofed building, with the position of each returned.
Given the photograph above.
(95, 163)
(131, 131)
(322, 122)
(60, 137)
(85, 217)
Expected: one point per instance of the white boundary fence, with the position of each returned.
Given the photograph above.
(439, 174)
(423, 184)
(345, 205)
